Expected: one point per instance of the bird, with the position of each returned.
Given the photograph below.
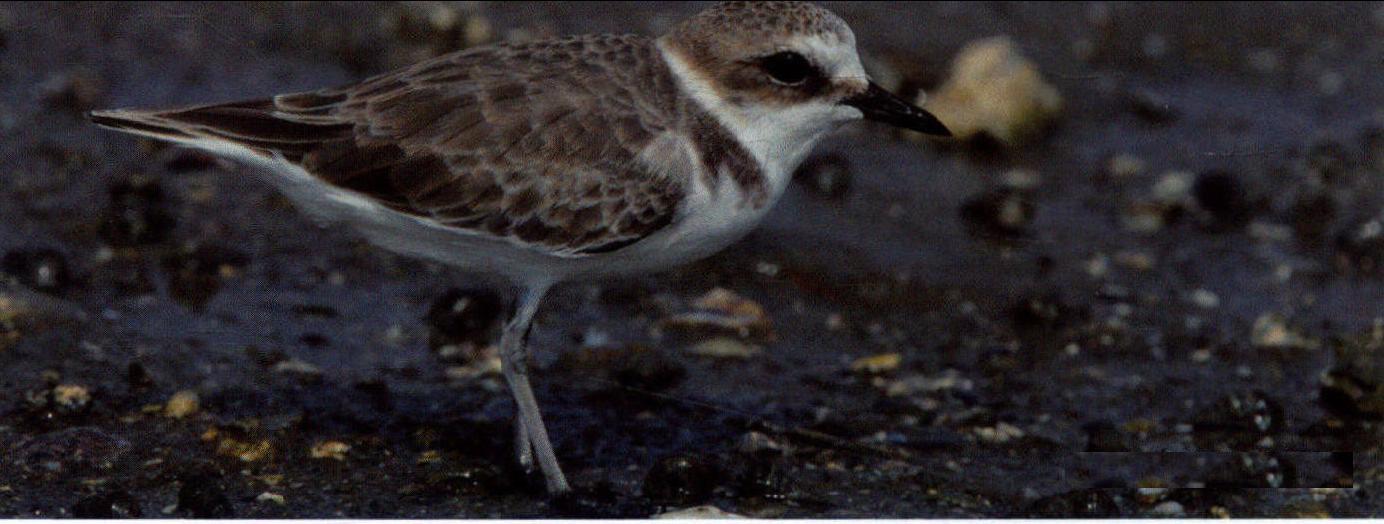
(558, 160)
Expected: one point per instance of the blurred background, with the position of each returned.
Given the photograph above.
(1148, 282)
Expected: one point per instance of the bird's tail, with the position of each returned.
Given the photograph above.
(262, 126)
(138, 122)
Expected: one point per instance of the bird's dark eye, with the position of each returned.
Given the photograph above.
(787, 67)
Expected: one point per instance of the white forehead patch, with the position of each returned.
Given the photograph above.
(836, 56)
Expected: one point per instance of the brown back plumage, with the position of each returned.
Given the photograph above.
(535, 142)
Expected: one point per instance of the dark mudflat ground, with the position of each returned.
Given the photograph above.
(1225, 344)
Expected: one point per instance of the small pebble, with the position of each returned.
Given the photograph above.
(1173, 188)
(1098, 266)
(270, 497)
(42, 270)
(489, 366)
(1205, 299)
(1171, 508)
(1150, 495)
(71, 397)
(1124, 165)
(182, 404)
(949, 379)
(330, 449)
(880, 363)
(298, 368)
(1022, 179)
(1000, 434)
(1201, 356)
(246, 451)
(725, 347)
(1143, 218)
(1272, 331)
(698, 513)
(721, 311)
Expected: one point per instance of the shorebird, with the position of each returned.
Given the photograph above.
(558, 160)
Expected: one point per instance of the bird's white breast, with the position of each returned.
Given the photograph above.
(716, 211)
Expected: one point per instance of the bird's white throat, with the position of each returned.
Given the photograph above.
(778, 137)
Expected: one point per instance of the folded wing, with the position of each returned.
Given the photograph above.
(541, 144)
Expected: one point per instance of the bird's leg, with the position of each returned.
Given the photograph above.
(523, 447)
(514, 361)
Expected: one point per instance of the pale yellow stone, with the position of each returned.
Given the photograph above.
(880, 363)
(182, 404)
(330, 449)
(71, 395)
(995, 89)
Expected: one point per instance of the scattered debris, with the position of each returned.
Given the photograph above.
(42, 270)
(330, 449)
(482, 366)
(1171, 508)
(270, 497)
(245, 450)
(949, 379)
(724, 312)
(303, 371)
(1272, 331)
(874, 364)
(71, 397)
(999, 434)
(1204, 299)
(724, 347)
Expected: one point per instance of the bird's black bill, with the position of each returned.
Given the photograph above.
(882, 106)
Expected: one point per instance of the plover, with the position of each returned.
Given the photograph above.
(558, 160)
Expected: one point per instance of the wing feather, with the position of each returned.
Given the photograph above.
(535, 143)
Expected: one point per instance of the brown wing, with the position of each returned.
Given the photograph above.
(537, 143)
